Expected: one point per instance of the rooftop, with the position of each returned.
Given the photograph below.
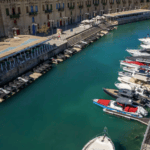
(126, 12)
(19, 43)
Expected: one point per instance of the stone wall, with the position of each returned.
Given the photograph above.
(28, 65)
(2, 33)
(75, 14)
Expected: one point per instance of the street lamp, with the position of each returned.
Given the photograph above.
(15, 29)
(52, 25)
(65, 22)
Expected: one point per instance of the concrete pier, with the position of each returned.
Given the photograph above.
(146, 140)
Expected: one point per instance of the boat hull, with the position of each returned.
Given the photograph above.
(115, 110)
(110, 93)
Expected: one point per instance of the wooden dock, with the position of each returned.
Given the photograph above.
(141, 120)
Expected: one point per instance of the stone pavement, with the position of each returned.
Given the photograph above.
(66, 34)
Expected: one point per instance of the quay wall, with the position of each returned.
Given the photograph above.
(29, 64)
(1, 25)
(125, 21)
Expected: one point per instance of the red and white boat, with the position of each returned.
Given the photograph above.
(122, 105)
(132, 63)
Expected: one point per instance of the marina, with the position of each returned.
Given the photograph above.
(44, 109)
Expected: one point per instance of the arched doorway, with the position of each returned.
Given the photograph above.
(71, 20)
(48, 24)
(60, 22)
(80, 18)
(33, 29)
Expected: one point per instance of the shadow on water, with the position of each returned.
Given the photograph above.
(119, 146)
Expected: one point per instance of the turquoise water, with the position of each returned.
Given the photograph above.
(56, 112)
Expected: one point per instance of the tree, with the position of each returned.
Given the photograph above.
(44, 29)
(145, 7)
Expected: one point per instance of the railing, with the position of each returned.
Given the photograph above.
(48, 11)
(71, 7)
(88, 5)
(80, 6)
(96, 4)
(104, 2)
(33, 13)
(61, 9)
(16, 16)
(118, 2)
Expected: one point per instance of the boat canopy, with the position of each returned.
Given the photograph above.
(126, 92)
(122, 100)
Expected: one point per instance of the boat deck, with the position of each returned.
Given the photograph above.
(114, 94)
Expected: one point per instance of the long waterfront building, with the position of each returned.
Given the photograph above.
(27, 16)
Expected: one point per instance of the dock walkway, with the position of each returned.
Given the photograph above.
(146, 140)
(141, 120)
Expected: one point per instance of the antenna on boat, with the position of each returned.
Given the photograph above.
(105, 133)
(103, 138)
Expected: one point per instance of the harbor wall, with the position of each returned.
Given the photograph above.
(2, 33)
(28, 65)
(125, 21)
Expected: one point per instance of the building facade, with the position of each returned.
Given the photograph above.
(27, 16)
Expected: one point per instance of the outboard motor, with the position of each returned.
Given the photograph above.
(142, 111)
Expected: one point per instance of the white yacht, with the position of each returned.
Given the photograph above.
(145, 40)
(131, 63)
(100, 143)
(145, 46)
(139, 52)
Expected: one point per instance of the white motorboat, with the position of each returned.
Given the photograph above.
(130, 69)
(124, 86)
(122, 105)
(134, 82)
(139, 52)
(146, 39)
(145, 46)
(100, 143)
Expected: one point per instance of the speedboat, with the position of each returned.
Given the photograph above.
(122, 105)
(139, 96)
(142, 52)
(131, 63)
(102, 142)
